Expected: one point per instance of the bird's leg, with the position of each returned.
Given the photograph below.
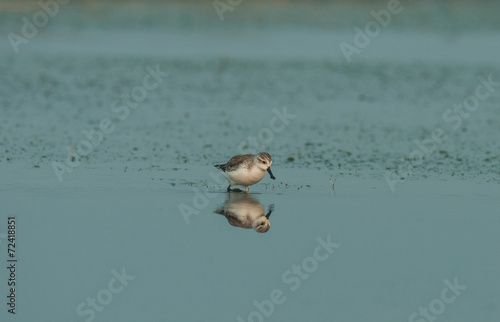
(229, 188)
(246, 189)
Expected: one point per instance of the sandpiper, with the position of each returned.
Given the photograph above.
(247, 169)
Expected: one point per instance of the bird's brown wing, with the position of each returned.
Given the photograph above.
(236, 161)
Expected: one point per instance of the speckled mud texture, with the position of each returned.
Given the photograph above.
(391, 112)
(360, 119)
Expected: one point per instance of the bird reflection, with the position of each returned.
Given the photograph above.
(243, 210)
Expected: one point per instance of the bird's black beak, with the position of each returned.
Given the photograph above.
(271, 173)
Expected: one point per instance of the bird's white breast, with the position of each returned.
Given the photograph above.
(245, 177)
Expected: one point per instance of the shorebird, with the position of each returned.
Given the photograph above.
(247, 169)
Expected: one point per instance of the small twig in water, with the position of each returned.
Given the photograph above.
(333, 183)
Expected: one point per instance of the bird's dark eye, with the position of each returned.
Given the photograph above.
(264, 162)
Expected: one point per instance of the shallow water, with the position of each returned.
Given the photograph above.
(392, 250)
(359, 229)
